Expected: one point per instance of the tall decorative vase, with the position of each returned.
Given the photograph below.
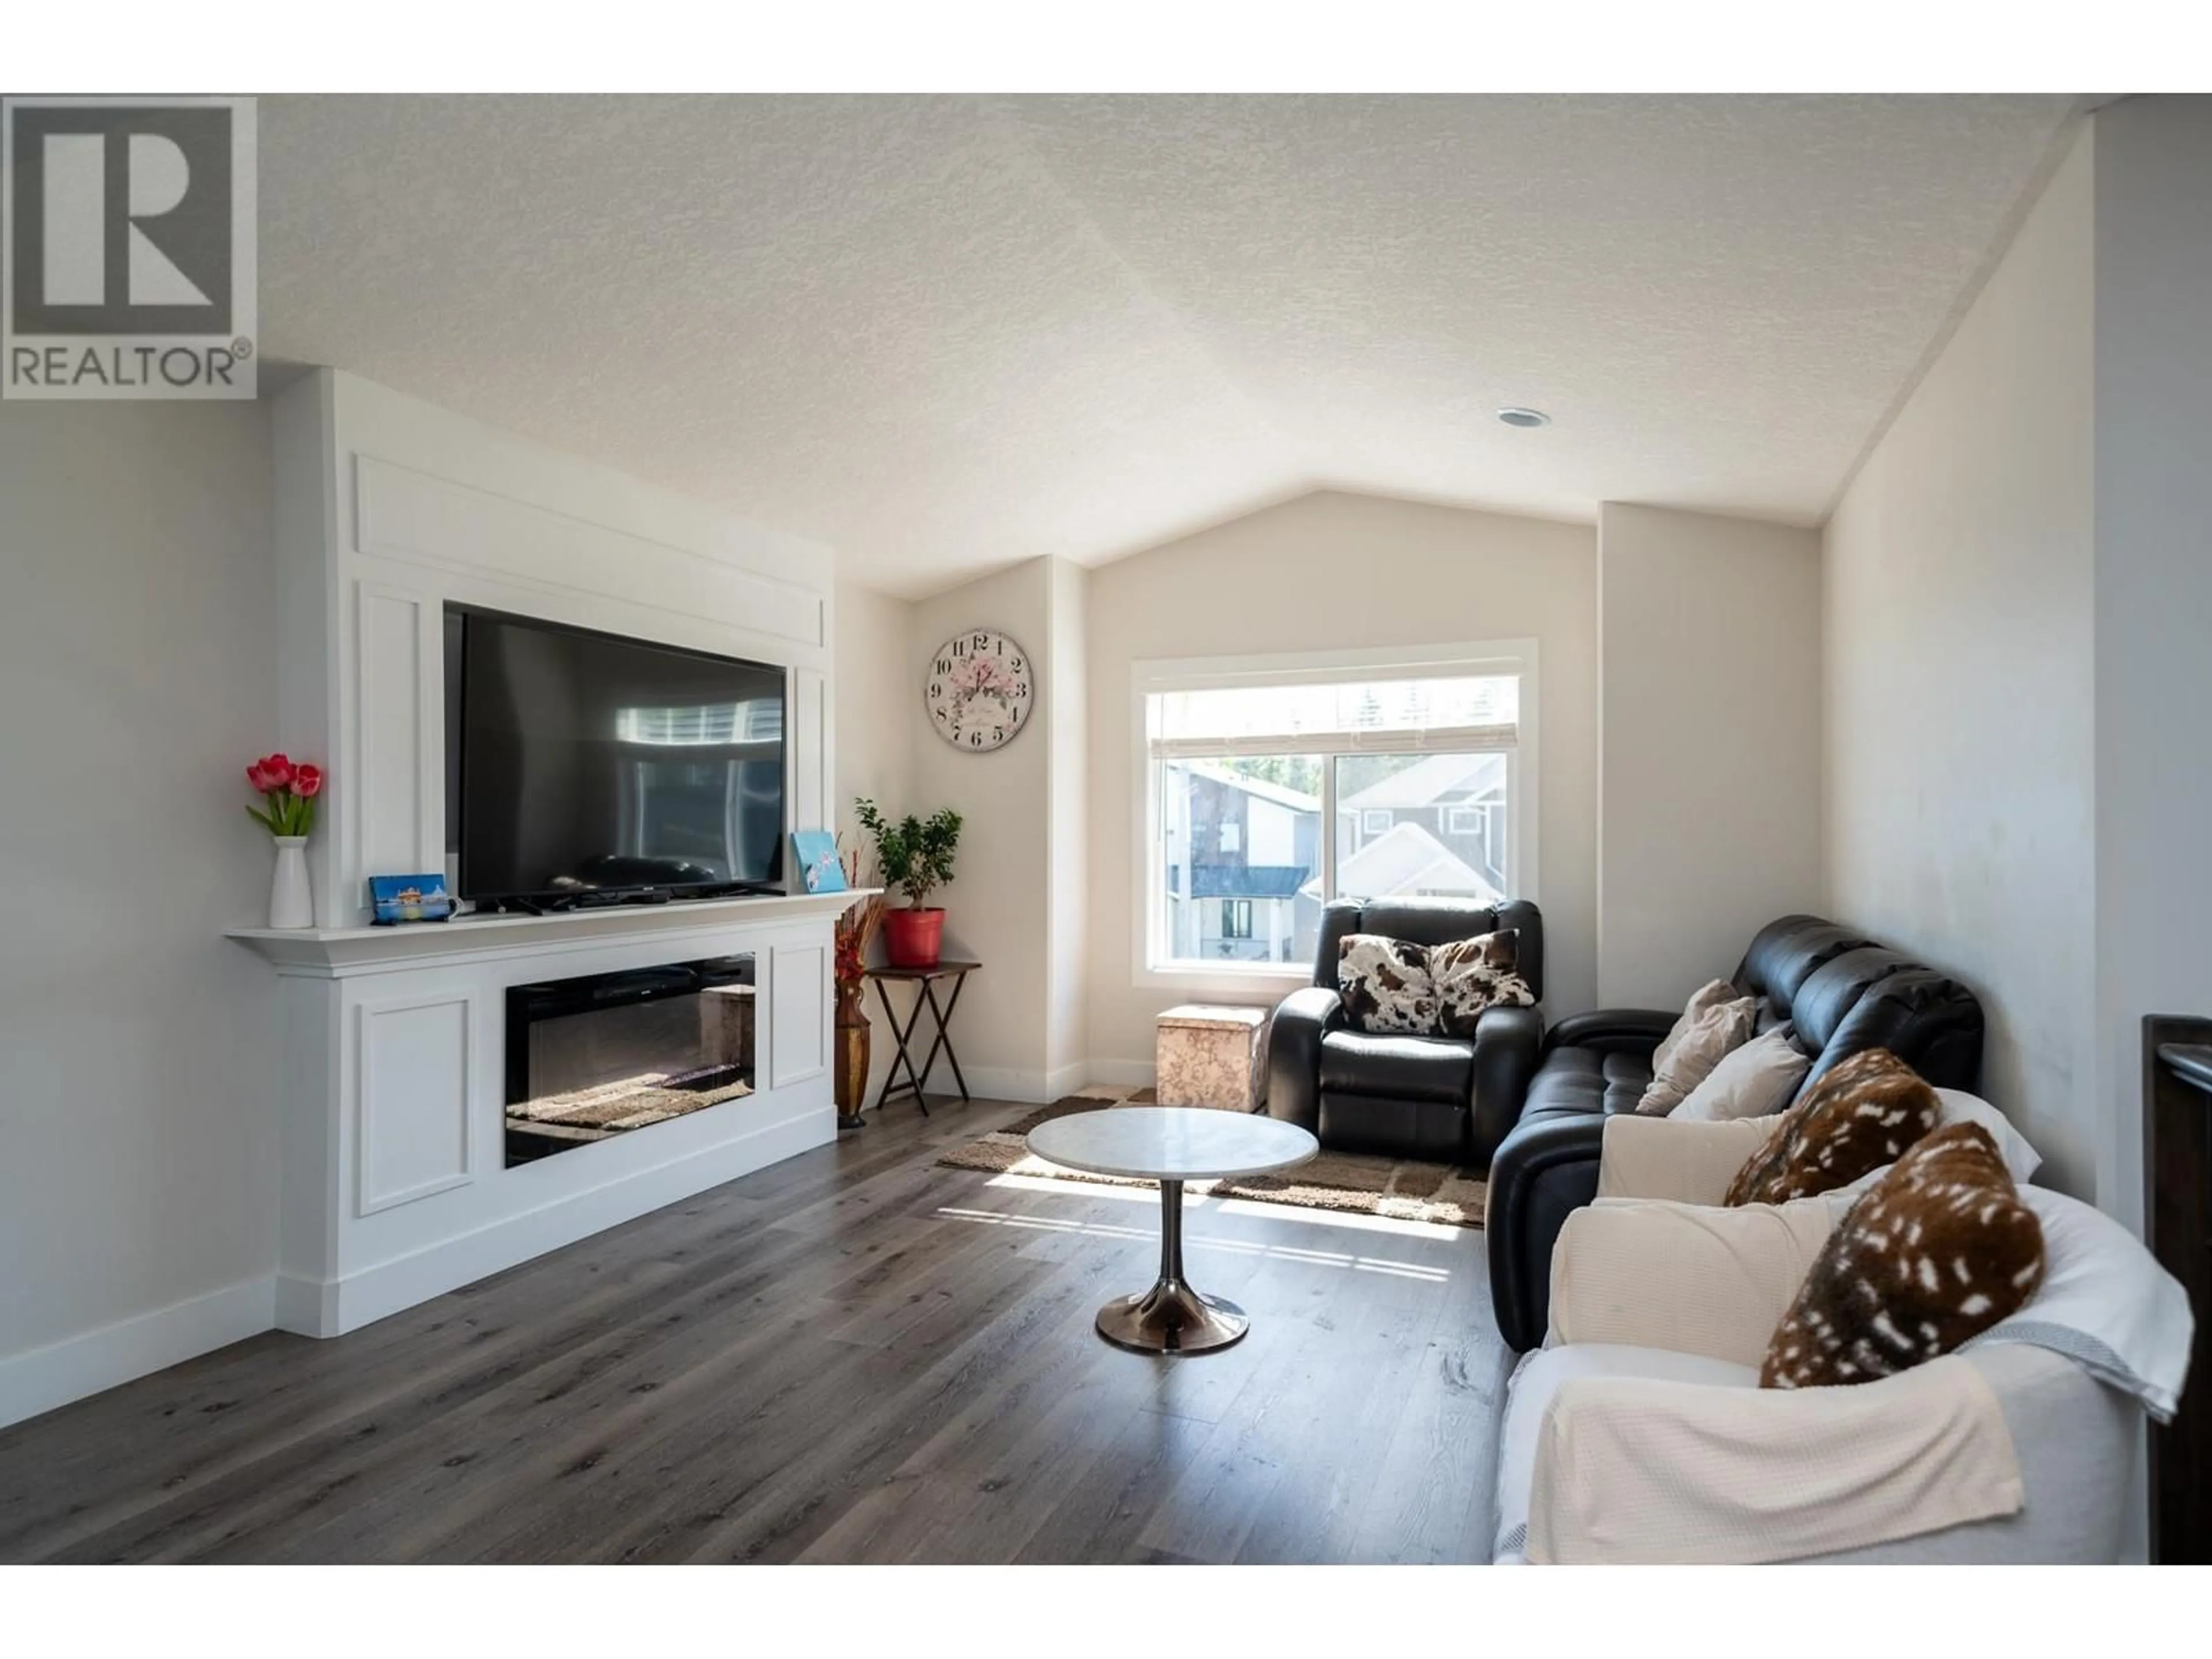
(849, 1078)
(291, 903)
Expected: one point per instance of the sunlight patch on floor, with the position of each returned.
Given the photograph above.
(1196, 1205)
(1147, 1196)
(1199, 1245)
(1402, 1225)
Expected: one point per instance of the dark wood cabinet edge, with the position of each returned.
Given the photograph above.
(2177, 1226)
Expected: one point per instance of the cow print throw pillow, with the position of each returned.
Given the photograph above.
(1864, 1114)
(1936, 1252)
(1475, 974)
(1386, 984)
(1393, 986)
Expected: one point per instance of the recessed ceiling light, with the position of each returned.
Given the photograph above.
(1525, 417)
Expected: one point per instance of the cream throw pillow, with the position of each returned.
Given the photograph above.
(1718, 1031)
(1759, 1078)
(1706, 997)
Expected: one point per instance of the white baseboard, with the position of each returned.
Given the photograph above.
(1031, 1086)
(43, 1379)
(1124, 1073)
(330, 1308)
(1034, 1087)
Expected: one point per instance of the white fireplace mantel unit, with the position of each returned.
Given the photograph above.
(396, 1187)
(342, 953)
(395, 1184)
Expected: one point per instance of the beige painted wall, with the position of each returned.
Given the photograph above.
(1960, 685)
(875, 690)
(998, 902)
(1334, 571)
(1067, 840)
(137, 677)
(1708, 731)
(2152, 162)
(874, 754)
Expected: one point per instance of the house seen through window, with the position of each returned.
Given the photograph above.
(1267, 801)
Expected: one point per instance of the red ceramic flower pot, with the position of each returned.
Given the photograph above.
(912, 938)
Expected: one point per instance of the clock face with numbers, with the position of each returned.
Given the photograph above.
(979, 693)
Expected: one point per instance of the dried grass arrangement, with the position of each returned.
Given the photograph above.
(856, 927)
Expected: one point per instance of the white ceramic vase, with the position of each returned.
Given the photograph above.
(291, 901)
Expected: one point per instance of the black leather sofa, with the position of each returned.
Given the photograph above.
(1845, 993)
(1445, 1100)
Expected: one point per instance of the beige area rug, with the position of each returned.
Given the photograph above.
(1350, 1181)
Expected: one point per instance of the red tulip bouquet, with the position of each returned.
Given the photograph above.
(287, 794)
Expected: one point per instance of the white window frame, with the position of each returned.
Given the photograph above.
(1149, 969)
(1462, 820)
(1375, 821)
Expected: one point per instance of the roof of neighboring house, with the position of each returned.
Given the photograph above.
(1297, 800)
(1210, 881)
(1407, 859)
(1427, 781)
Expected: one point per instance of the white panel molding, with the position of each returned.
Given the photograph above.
(401, 514)
(369, 1109)
(331, 1307)
(398, 794)
(798, 1014)
(43, 1379)
(693, 926)
(808, 744)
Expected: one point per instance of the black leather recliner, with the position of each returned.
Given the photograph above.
(1445, 1100)
(1844, 993)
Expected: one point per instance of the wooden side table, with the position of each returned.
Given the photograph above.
(925, 979)
(1207, 1055)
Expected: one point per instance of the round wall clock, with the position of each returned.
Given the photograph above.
(980, 692)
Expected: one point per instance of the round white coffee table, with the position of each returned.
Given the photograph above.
(1172, 1145)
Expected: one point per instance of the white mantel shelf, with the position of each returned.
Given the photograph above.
(336, 952)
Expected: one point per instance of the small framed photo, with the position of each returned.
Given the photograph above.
(816, 850)
(398, 899)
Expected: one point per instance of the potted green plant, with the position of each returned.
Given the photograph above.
(915, 855)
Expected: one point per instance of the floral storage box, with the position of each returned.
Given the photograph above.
(1207, 1055)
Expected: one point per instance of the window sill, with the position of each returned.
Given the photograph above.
(1250, 979)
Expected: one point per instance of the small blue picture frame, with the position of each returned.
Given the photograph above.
(819, 867)
(400, 899)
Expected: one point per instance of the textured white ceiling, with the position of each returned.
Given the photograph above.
(945, 333)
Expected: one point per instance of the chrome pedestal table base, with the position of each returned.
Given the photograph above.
(1171, 1317)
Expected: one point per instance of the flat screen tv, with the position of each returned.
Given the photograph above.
(580, 764)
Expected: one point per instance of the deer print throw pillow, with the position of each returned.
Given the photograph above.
(1936, 1251)
(1865, 1113)
(1386, 984)
(1475, 975)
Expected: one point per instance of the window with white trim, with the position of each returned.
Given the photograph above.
(1272, 786)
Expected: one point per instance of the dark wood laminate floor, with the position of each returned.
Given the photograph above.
(854, 1355)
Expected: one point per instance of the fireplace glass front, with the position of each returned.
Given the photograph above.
(607, 1055)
